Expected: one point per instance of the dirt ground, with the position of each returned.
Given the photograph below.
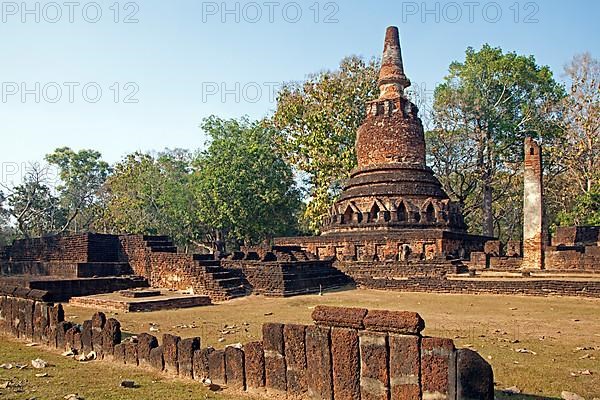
(540, 345)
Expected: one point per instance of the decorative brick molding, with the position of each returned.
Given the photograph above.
(350, 354)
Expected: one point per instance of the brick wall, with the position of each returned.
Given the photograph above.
(577, 259)
(516, 286)
(576, 235)
(423, 244)
(348, 353)
(85, 247)
(397, 270)
(72, 248)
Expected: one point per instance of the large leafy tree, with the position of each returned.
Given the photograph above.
(488, 104)
(150, 194)
(318, 119)
(244, 189)
(82, 174)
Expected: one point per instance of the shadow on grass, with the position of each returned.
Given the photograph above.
(500, 395)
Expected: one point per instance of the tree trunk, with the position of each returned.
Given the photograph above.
(488, 215)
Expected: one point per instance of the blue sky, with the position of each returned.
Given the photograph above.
(180, 61)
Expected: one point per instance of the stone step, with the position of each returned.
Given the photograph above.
(299, 255)
(164, 249)
(208, 265)
(155, 237)
(228, 282)
(159, 243)
(63, 289)
(98, 269)
(205, 257)
(221, 275)
(234, 292)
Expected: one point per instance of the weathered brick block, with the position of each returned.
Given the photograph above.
(479, 260)
(56, 314)
(216, 367)
(169, 345)
(73, 339)
(475, 378)
(40, 321)
(345, 357)
(146, 343)
(295, 358)
(275, 369)
(111, 336)
(86, 336)
(185, 356)
(16, 318)
(405, 366)
(131, 355)
(234, 367)
(438, 368)
(156, 360)
(61, 334)
(318, 363)
(513, 249)
(23, 317)
(374, 358)
(200, 361)
(28, 309)
(119, 353)
(493, 248)
(254, 360)
(402, 322)
(98, 321)
(343, 317)
(5, 314)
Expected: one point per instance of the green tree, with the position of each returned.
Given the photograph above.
(33, 207)
(151, 195)
(585, 210)
(244, 189)
(490, 102)
(318, 120)
(82, 175)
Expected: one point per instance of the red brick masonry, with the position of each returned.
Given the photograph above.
(350, 354)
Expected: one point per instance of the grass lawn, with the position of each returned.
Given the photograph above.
(91, 380)
(558, 341)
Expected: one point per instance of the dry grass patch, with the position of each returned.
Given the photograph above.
(496, 326)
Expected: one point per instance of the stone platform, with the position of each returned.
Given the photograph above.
(61, 289)
(282, 271)
(166, 300)
(464, 284)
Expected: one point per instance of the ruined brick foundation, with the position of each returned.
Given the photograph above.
(86, 264)
(349, 353)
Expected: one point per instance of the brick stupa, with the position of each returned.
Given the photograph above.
(392, 206)
(392, 188)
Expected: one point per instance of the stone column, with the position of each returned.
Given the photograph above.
(533, 212)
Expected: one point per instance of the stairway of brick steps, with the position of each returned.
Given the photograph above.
(162, 244)
(216, 282)
(219, 283)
